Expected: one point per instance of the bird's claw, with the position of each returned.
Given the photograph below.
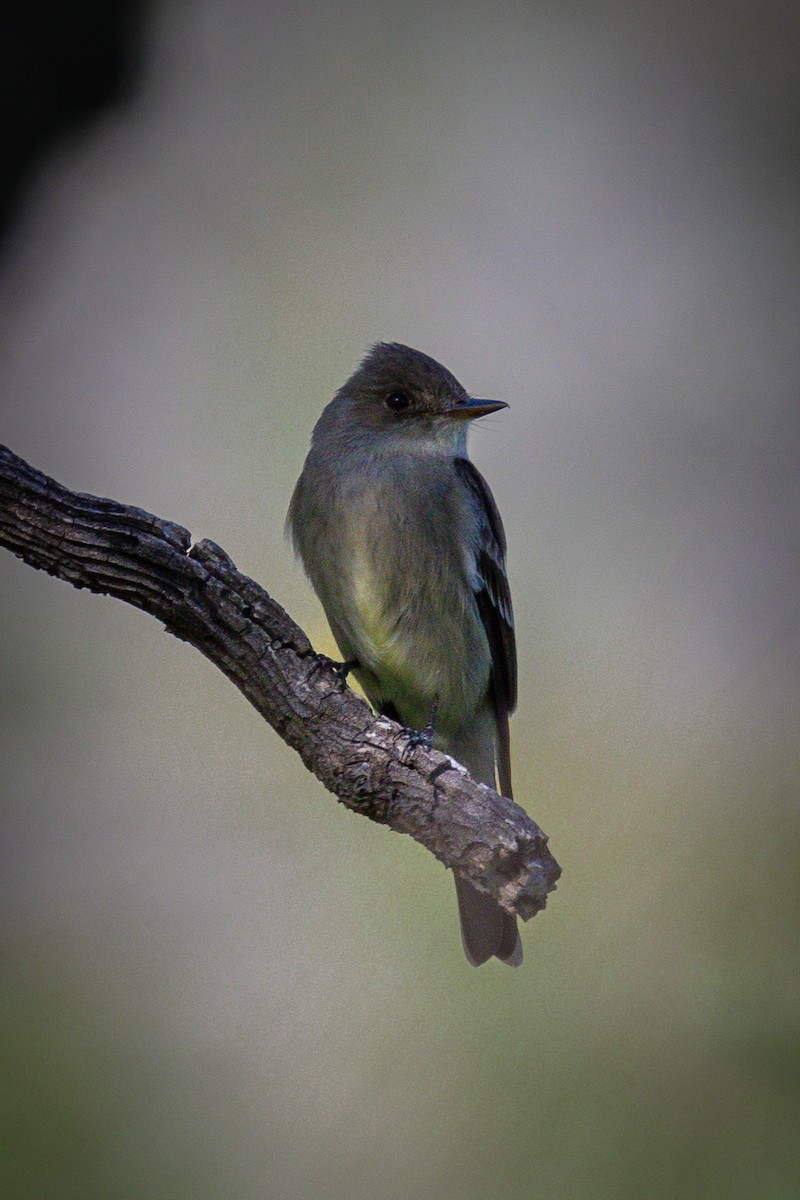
(340, 669)
(414, 739)
(420, 737)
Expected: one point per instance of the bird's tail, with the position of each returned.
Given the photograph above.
(486, 928)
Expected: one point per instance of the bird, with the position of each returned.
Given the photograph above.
(403, 544)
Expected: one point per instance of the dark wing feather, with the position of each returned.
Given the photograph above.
(493, 598)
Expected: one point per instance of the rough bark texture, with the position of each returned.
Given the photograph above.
(370, 764)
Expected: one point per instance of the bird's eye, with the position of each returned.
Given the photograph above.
(397, 401)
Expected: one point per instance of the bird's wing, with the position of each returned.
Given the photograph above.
(493, 599)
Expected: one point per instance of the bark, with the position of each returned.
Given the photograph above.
(371, 765)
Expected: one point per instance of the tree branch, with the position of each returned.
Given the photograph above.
(200, 596)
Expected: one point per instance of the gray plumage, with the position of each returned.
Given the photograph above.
(402, 541)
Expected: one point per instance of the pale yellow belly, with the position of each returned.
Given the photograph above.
(421, 651)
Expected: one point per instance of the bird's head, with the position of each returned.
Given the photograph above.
(407, 397)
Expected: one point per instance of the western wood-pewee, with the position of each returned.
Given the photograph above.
(402, 541)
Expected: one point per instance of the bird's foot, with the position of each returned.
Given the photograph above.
(420, 737)
(340, 669)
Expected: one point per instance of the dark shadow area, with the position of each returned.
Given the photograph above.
(61, 65)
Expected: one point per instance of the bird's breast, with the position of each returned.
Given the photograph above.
(390, 551)
(415, 624)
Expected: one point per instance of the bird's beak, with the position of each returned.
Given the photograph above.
(467, 410)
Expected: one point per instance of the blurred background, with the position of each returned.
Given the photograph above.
(215, 981)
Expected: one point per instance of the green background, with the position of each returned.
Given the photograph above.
(215, 981)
